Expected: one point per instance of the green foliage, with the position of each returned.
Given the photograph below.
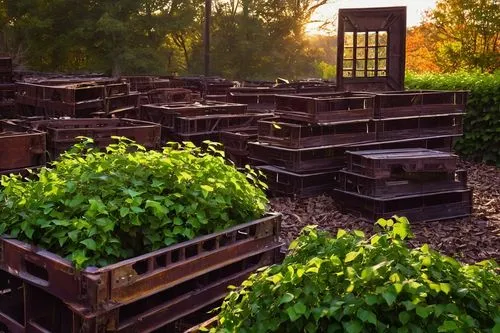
(467, 34)
(129, 36)
(349, 283)
(96, 208)
(481, 139)
(326, 71)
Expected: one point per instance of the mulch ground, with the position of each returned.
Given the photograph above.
(469, 240)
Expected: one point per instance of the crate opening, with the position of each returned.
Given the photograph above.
(37, 271)
(209, 245)
(192, 251)
(11, 298)
(161, 261)
(140, 267)
(175, 256)
(135, 310)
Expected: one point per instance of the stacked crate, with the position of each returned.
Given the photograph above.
(199, 121)
(42, 292)
(76, 100)
(7, 89)
(20, 148)
(420, 184)
(301, 149)
(62, 134)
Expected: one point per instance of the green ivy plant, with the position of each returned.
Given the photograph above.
(351, 283)
(96, 208)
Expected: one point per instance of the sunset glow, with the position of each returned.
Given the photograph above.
(328, 12)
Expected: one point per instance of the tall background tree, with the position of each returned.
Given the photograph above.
(457, 35)
(250, 38)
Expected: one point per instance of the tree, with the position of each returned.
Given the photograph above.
(420, 50)
(467, 33)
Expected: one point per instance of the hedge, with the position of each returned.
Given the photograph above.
(481, 139)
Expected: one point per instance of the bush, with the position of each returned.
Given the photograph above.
(96, 208)
(481, 139)
(352, 284)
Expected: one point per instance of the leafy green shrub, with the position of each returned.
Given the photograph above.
(353, 284)
(96, 208)
(481, 140)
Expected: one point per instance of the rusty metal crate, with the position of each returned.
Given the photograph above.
(134, 286)
(196, 138)
(217, 98)
(24, 307)
(237, 140)
(69, 94)
(298, 160)
(116, 89)
(216, 123)
(166, 114)
(63, 133)
(169, 95)
(239, 158)
(440, 143)
(388, 163)
(300, 134)
(140, 83)
(5, 65)
(343, 107)
(402, 184)
(121, 104)
(286, 183)
(395, 104)
(423, 126)
(20, 147)
(416, 207)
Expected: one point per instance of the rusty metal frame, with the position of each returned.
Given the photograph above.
(369, 21)
(95, 291)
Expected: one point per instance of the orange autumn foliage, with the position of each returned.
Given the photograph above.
(420, 50)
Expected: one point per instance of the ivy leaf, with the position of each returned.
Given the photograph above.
(89, 244)
(286, 298)
(300, 308)
(351, 256)
(389, 297)
(367, 316)
(353, 326)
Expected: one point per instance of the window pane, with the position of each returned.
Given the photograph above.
(348, 53)
(382, 73)
(372, 37)
(347, 74)
(370, 64)
(382, 63)
(371, 53)
(360, 53)
(361, 40)
(349, 39)
(360, 73)
(348, 64)
(360, 64)
(382, 38)
(370, 73)
(382, 52)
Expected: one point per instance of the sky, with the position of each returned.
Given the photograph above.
(415, 10)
